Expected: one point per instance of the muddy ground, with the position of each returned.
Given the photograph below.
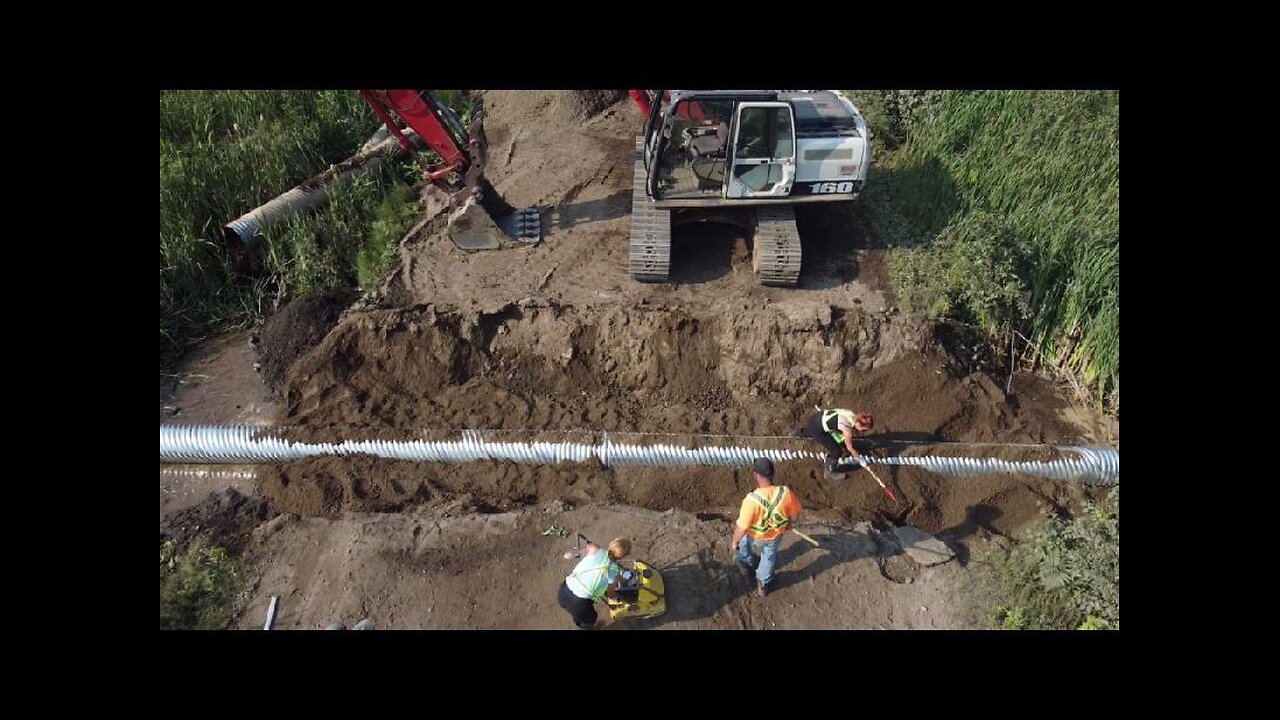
(558, 338)
(423, 569)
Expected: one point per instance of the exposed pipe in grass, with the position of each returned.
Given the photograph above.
(239, 234)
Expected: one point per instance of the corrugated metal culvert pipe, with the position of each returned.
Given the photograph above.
(314, 192)
(242, 443)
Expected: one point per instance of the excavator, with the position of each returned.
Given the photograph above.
(742, 157)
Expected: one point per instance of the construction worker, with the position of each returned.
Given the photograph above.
(765, 515)
(835, 429)
(593, 578)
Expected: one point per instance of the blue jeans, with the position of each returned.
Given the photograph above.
(768, 556)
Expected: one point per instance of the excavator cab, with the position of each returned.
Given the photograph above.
(744, 158)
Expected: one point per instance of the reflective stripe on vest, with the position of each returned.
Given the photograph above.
(772, 519)
(826, 418)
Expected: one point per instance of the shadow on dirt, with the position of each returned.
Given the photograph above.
(705, 252)
(700, 585)
(606, 208)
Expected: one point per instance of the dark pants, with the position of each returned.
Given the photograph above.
(582, 611)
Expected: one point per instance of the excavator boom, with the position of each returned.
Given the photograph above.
(479, 218)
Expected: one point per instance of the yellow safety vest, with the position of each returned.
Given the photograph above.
(611, 570)
(848, 416)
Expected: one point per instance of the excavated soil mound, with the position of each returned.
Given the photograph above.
(295, 329)
(563, 370)
(587, 103)
(646, 368)
(227, 518)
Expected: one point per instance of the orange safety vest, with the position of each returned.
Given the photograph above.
(772, 522)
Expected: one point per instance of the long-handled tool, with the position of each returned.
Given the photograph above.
(866, 465)
(806, 537)
(849, 462)
(877, 477)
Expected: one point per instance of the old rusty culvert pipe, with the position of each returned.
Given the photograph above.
(248, 444)
(240, 234)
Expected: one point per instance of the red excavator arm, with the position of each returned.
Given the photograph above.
(461, 169)
(434, 122)
(479, 219)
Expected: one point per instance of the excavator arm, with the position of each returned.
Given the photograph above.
(478, 217)
(460, 172)
(433, 121)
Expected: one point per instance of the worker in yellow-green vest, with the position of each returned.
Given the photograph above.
(835, 428)
(592, 579)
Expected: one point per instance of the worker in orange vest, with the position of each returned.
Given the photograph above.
(766, 514)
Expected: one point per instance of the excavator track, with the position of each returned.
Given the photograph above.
(650, 228)
(776, 254)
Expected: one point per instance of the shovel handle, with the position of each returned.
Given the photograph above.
(882, 485)
(806, 537)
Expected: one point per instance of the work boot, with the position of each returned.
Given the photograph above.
(762, 589)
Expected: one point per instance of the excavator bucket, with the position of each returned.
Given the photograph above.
(472, 228)
(481, 219)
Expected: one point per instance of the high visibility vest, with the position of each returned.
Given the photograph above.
(772, 519)
(605, 573)
(835, 432)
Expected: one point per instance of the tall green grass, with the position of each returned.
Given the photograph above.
(1028, 182)
(392, 219)
(227, 151)
(1065, 576)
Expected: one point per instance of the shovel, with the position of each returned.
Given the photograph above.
(882, 485)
